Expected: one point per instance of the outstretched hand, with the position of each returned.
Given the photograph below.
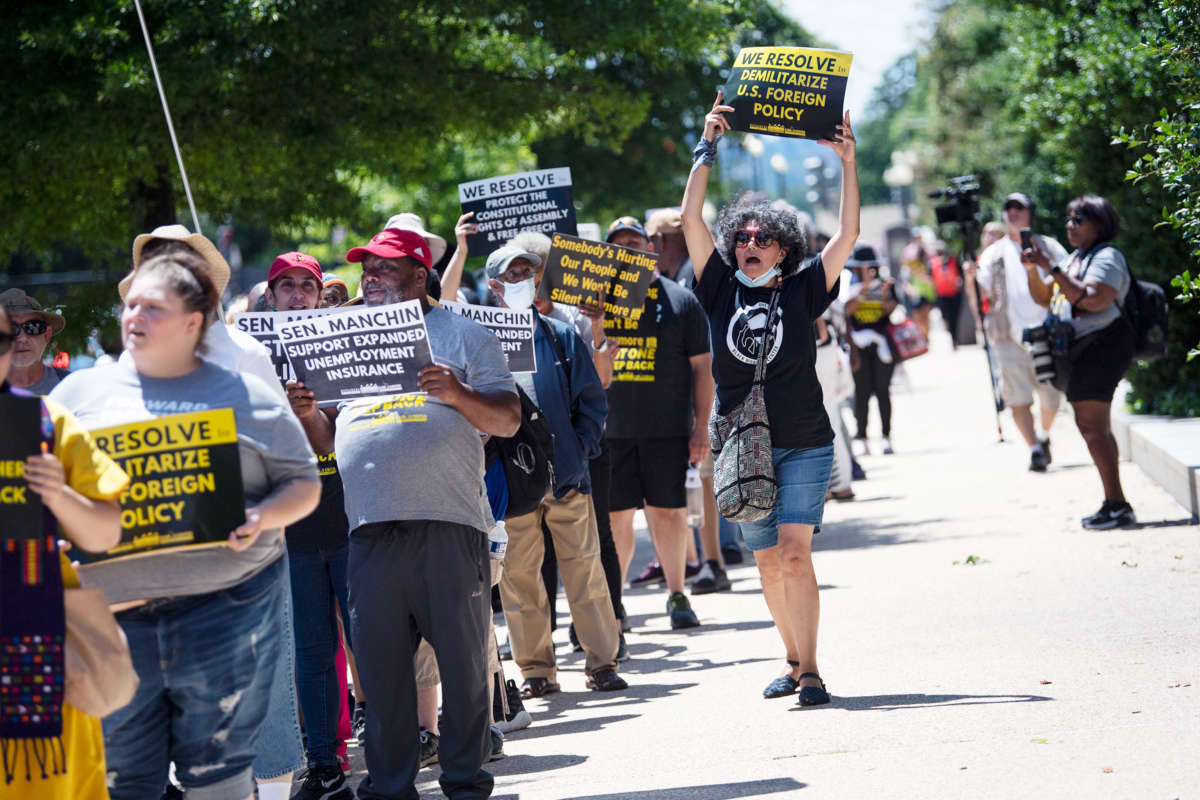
(715, 124)
(845, 144)
(464, 228)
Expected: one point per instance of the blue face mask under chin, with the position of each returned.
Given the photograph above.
(761, 280)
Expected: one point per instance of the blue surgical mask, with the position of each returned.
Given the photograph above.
(761, 280)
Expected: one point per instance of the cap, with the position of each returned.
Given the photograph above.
(394, 243)
(15, 301)
(334, 280)
(294, 260)
(863, 256)
(1020, 198)
(499, 260)
(665, 221)
(218, 267)
(625, 224)
(409, 221)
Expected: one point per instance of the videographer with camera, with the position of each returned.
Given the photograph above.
(1093, 283)
(1003, 280)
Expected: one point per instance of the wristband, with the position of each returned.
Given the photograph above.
(600, 348)
(705, 152)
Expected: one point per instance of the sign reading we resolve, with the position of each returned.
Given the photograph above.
(787, 91)
(505, 206)
(261, 325)
(359, 352)
(20, 437)
(185, 482)
(577, 269)
(513, 328)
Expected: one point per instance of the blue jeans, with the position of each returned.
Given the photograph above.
(280, 747)
(803, 479)
(205, 665)
(318, 589)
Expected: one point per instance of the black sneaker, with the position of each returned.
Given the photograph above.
(712, 578)
(324, 783)
(681, 612)
(358, 723)
(651, 574)
(622, 650)
(429, 748)
(1045, 443)
(1111, 515)
(497, 737)
(732, 554)
(573, 637)
(1038, 459)
(517, 717)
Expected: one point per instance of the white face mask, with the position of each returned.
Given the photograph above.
(519, 296)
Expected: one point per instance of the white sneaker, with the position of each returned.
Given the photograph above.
(887, 446)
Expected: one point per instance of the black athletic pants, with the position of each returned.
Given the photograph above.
(873, 378)
(412, 580)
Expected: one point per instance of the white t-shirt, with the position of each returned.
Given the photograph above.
(1021, 309)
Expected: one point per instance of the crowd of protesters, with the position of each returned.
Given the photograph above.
(378, 530)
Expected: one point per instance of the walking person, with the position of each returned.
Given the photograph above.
(868, 308)
(757, 254)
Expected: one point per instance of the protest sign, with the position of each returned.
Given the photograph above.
(514, 329)
(20, 437)
(185, 482)
(787, 91)
(261, 325)
(577, 269)
(505, 206)
(358, 352)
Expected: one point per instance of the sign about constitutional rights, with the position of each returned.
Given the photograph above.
(787, 91)
(513, 328)
(261, 325)
(20, 438)
(505, 206)
(185, 482)
(359, 352)
(576, 270)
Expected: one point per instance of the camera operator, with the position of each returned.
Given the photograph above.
(1003, 280)
(1093, 282)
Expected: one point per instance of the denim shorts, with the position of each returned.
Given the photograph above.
(803, 479)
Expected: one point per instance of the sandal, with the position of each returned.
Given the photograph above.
(538, 687)
(813, 695)
(782, 686)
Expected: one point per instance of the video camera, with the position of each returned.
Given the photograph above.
(961, 204)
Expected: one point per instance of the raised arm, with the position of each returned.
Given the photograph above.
(452, 276)
(1036, 261)
(696, 234)
(841, 245)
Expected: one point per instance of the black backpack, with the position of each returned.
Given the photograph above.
(1145, 307)
(526, 456)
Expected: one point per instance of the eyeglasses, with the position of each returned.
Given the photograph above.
(33, 327)
(1074, 219)
(6, 340)
(762, 239)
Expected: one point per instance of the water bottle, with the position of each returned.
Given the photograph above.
(497, 541)
(695, 497)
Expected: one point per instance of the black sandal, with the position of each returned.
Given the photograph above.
(782, 686)
(813, 695)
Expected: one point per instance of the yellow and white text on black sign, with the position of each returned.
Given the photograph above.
(788, 91)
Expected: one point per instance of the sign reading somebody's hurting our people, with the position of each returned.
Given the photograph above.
(577, 269)
(20, 437)
(359, 352)
(505, 206)
(261, 325)
(787, 91)
(513, 328)
(185, 482)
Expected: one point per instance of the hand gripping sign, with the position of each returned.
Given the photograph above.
(787, 91)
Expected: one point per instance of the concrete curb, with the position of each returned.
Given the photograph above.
(1167, 449)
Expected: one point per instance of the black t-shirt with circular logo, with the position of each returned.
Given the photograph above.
(736, 321)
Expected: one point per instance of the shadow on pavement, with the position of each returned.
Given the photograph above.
(522, 763)
(636, 693)
(538, 729)
(712, 791)
(855, 532)
(1162, 523)
(892, 702)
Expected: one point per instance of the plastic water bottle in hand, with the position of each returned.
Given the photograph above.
(497, 541)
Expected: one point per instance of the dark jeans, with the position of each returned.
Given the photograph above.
(950, 308)
(204, 665)
(412, 580)
(873, 378)
(318, 590)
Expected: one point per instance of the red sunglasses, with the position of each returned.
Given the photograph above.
(761, 239)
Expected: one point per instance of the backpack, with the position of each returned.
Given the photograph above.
(526, 457)
(1145, 307)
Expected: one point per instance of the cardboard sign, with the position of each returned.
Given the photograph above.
(359, 352)
(505, 206)
(787, 91)
(261, 325)
(185, 482)
(576, 269)
(20, 437)
(514, 329)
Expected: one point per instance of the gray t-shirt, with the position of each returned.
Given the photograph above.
(48, 381)
(1106, 265)
(412, 457)
(271, 444)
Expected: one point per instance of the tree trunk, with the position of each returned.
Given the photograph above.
(155, 202)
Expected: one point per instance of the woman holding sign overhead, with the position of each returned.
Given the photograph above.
(762, 293)
(201, 617)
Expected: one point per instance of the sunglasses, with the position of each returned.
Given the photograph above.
(1074, 219)
(761, 239)
(33, 327)
(6, 340)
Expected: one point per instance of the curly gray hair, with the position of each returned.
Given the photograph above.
(783, 223)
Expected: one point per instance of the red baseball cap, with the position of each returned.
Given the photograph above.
(294, 260)
(395, 243)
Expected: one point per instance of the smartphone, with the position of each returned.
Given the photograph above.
(1026, 239)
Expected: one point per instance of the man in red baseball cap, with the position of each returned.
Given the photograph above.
(391, 263)
(294, 282)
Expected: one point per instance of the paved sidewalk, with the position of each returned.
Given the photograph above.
(977, 641)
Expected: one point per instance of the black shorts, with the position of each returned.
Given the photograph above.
(1099, 366)
(648, 472)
